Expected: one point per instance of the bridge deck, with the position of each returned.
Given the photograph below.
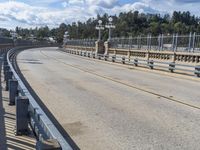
(108, 106)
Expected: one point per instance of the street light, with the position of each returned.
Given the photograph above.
(66, 35)
(100, 27)
(110, 26)
(14, 37)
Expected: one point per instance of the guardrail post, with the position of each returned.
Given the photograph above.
(106, 57)
(197, 71)
(13, 91)
(99, 56)
(49, 144)
(8, 75)
(172, 67)
(113, 58)
(150, 64)
(93, 55)
(22, 103)
(135, 62)
(6, 68)
(84, 54)
(89, 54)
(123, 60)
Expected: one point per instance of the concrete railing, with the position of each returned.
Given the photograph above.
(148, 52)
(155, 55)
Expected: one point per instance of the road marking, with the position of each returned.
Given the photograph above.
(122, 83)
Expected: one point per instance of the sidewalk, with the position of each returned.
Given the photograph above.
(8, 140)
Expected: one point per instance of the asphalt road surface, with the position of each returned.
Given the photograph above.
(109, 106)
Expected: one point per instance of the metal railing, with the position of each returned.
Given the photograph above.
(152, 64)
(82, 42)
(175, 42)
(43, 127)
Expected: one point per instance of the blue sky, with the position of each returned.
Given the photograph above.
(32, 13)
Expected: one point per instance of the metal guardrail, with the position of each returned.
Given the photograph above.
(152, 64)
(39, 121)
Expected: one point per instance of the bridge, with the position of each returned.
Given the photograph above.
(90, 95)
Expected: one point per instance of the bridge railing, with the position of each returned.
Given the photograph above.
(82, 42)
(145, 62)
(87, 44)
(175, 43)
(27, 108)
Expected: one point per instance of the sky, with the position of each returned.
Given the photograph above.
(32, 13)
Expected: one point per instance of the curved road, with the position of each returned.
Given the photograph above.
(108, 106)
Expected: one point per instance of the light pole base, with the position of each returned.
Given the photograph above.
(100, 49)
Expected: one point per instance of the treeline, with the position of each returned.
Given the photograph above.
(127, 24)
(135, 23)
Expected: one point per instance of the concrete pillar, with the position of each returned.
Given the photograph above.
(13, 91)
(8, 75)
(107, 46)
(99, 47)
(147, 55)
(115, 52)
(129, 55)
(49, 144)
(174, 57)
(22, 103)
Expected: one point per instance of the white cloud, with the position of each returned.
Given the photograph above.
(15, 13)
(174, 5)
(102, 3)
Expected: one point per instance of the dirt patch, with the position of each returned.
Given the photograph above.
(75, 128)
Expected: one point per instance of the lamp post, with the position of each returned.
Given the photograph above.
(14, 37)
(66, 35)
(99, 27)
(110, 26)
